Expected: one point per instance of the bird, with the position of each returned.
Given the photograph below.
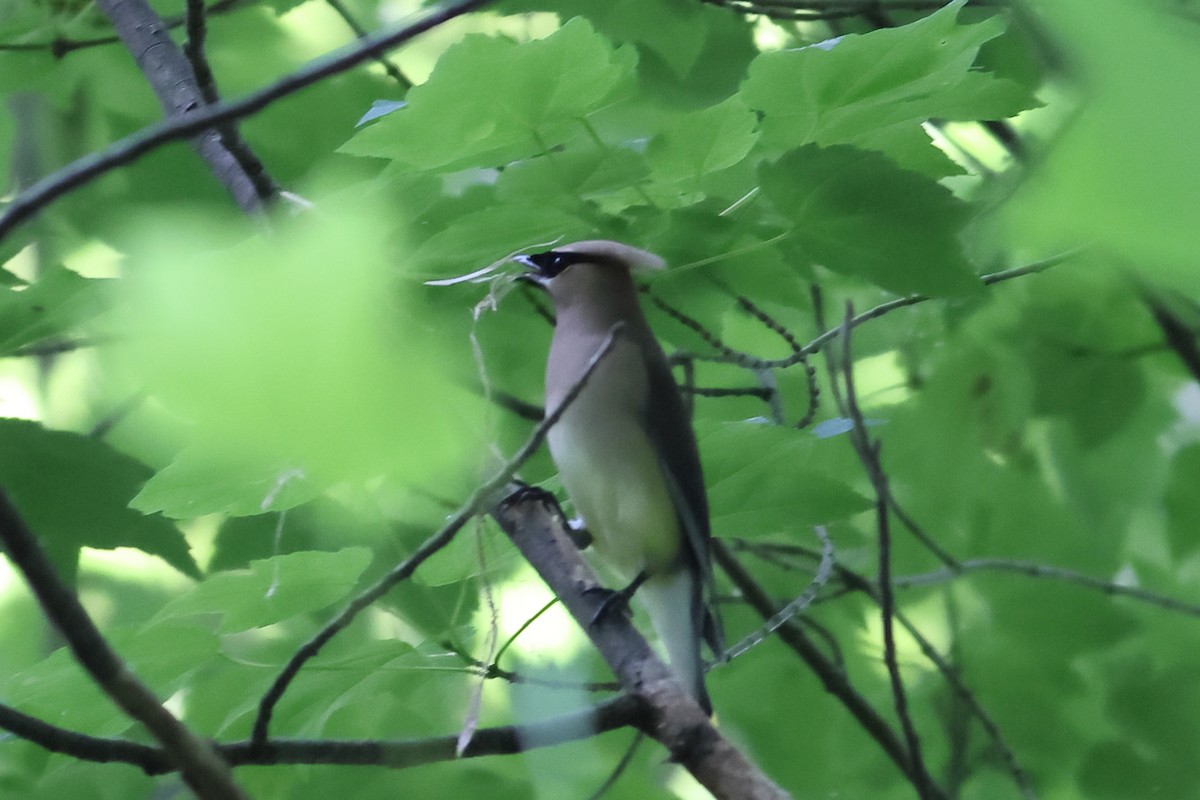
(625, 449)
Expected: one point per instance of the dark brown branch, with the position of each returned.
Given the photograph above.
(83, 170)
(477, 503)
(175, 85)
(197, 31)
(616, 713)
(201, 767)
(868, 452)
(674, 718)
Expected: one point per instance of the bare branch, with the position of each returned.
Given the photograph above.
(202, 768)
(788, 612)
(1035, 570)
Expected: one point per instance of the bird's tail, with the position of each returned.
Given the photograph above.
(676, 608)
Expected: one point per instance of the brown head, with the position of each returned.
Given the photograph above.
(594, 274)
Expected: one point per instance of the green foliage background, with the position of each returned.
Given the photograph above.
(270, 414)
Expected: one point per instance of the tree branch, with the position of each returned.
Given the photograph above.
(175, 85)
(81, 171)
(616, 713)
(202, 768)
(674, 718)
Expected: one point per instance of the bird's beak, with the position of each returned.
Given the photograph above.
(534, 275)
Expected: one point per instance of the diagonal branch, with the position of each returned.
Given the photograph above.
(83, 170)
(201, 766)
(675, 719)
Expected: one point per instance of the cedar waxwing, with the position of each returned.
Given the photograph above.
(625, 449)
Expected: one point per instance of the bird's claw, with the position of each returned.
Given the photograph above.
(614, 599)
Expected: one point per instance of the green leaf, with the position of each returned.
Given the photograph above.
(743, 463)
(74, 491)
(856, 212)
(502, 101)
(203, 480)
(272, 589)
(578, 173)
(873, 89)
(478, 239)
(691, 52)
(56, 304)
(700, 142)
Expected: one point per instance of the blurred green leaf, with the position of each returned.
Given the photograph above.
(1118, 177)
(1182, 502)
(704, 141)
(301, 361)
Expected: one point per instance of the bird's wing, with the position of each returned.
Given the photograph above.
(670, 429)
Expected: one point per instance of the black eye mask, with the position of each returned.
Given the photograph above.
(552, 262)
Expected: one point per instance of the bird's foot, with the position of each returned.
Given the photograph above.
(615, 600)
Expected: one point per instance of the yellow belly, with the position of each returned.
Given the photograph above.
(615, 481)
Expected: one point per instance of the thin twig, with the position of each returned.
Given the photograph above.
(789, 611)
(869, 455)
(59, 46)
(478, 502)
(727, 355)
(202, 768)
(1036, 570)
(619, 769)
(352, 23)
